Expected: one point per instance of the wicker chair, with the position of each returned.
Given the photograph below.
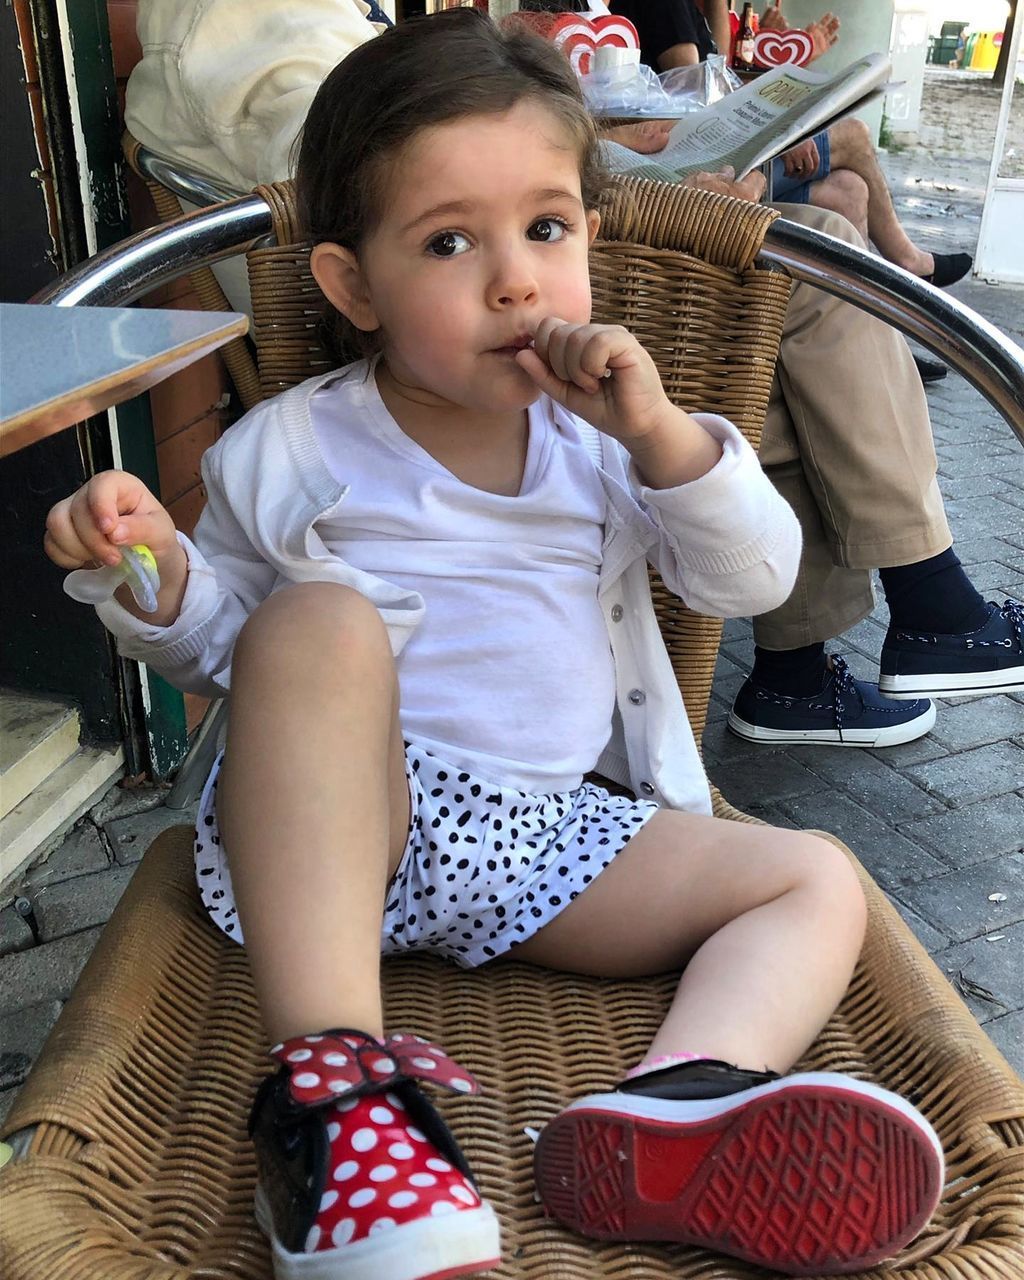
(133, 1158)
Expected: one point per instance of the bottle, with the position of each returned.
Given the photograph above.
(743, 55)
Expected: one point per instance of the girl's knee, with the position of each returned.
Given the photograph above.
(828, 873)
(315, 618)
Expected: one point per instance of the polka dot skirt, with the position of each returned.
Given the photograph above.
(484, 868)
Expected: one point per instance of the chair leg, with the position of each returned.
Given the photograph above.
(194, 769)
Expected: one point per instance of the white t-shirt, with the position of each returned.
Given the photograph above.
(510, 673)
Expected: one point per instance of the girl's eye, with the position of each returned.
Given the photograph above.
(447, 244)
(548, 230)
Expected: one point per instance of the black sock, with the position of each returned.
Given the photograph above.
(796, 672)
(933, 595)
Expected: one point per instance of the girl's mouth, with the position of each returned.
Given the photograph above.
(517, 344)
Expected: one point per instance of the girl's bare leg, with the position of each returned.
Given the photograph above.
(313, 804)
(769, 924)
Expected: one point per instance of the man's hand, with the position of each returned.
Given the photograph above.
(824, 32)
(725, 184)
(645, 136)
(802, 160)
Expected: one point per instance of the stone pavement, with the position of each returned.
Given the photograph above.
(938, 822)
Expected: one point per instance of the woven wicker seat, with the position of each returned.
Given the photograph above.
(136, 1164)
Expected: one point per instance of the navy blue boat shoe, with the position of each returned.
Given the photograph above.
(919, 664)
(844, 713)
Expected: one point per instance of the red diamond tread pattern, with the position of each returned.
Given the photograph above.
(808, 1183)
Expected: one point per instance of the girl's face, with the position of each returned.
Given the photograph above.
(483, 235)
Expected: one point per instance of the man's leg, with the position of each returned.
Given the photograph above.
(852, 150)
(847, 441)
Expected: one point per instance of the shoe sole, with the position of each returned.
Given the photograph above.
(466, 1243)
(803, 1175)
(891, 736)
(952, 686)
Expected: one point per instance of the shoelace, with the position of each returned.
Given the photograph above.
(845, 686)
(1013, 612)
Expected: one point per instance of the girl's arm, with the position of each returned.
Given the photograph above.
(728, 544)
(227, 577)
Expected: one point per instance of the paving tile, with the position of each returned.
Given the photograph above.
(719, 742)
(904, 753)
(974, 550)
(80, 903)
(765, 780)
(729, 676)
(124, 802)
(989, 576)
(46, 972)
(83, 851)
(737, 629)
(967, 459)
(130, 837)
(883, 791)
(929, 937)
(867, 636)
(975, 833)
(979, 721)
(890, 858)
(1007, 1034)
(997, 967)
(15, 934)
(973, 486)
(958, 903)
(24, 1033)
(992, 517)
(972, 775)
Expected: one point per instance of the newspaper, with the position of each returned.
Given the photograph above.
(757, 122)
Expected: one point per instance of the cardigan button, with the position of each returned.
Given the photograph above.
(617, 612)
(647, 788)
(637, 697)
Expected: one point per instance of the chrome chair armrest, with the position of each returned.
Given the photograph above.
(988, 359)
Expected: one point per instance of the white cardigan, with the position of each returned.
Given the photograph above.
(726, 543)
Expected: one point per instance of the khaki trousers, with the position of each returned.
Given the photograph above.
(848, 443)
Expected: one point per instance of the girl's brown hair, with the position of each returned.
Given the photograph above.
(424, 71)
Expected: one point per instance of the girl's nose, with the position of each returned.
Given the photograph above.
(512, 283)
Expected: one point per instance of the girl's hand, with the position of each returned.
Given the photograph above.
(112, 510)
(601, 373)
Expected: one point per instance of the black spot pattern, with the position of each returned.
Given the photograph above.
(513, 878)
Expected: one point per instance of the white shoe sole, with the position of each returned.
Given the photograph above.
(967, 683)
(465, 1243)
(891, 736)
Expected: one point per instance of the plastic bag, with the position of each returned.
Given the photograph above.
(616, 86)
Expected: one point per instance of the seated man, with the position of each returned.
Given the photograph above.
(837, 169)
(223, 87)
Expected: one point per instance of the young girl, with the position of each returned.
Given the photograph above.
(423, 577)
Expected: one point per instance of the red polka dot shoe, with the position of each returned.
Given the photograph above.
(810, 1174)
(359, 1177)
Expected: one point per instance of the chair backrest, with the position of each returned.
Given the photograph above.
(673, 265)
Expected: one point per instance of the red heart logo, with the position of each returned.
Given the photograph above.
(783, 48)
(578, 37)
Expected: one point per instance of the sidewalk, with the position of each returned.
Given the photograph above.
(938, 822)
